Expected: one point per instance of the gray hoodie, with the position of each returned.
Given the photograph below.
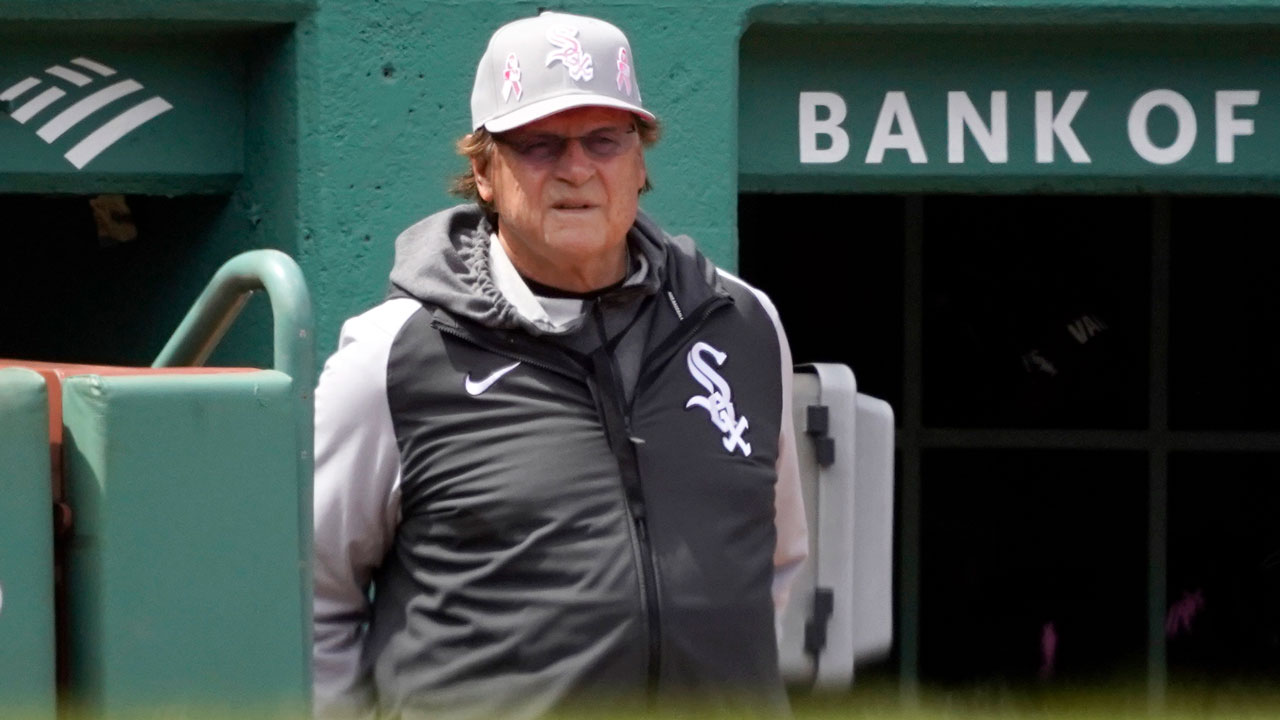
(552, 514)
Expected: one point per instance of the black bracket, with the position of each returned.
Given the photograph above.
(817, 423)
(6, 107)
(815, 630)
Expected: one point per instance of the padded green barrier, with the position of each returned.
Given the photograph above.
(27, 662)
(184, 586)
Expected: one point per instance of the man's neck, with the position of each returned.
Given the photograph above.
(585, 275)
(547, 291)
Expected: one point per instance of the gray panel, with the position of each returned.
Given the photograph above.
(849, 507)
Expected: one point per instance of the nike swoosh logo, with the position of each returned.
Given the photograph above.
(475, 387)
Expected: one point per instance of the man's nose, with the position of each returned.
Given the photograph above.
(575, 165)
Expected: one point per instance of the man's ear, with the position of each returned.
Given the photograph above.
(480, 169)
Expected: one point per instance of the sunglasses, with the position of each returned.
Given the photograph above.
(548, 148)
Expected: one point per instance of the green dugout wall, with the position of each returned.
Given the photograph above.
(324, 127)
(347, 111)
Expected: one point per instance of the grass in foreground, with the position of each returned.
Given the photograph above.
(884, 700)
(1202, 701)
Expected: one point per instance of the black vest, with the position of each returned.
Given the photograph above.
(560, 544)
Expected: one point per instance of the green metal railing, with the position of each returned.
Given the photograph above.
(212, 315)
(225, 296)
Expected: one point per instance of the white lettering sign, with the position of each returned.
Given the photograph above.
(1228, 125)
(1185, 138)
(1050, 125)
(895, 109)
(824, 139)
(811, 128)
(993, 140)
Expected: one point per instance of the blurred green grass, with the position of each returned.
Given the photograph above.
(885, 700)
(1199, 701)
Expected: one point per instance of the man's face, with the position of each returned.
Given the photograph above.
(564, 216)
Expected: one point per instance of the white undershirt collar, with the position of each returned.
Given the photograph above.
(551, 311)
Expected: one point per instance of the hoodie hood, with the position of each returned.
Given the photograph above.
(443, 260)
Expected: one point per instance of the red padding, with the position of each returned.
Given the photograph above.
(55, 372)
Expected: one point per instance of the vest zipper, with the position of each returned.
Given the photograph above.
(618, 428)
(624, 445)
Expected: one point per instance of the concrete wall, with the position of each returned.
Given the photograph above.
(354, 106)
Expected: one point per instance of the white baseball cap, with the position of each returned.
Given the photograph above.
(542, 65)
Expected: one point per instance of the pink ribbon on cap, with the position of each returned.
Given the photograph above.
(511, 78)
(624, 72)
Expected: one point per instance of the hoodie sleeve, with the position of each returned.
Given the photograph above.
(792, 546)
(357, 477)
(792, 528)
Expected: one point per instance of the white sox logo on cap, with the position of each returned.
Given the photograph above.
(570, 53)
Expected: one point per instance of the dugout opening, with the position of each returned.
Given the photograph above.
(106, 278)
(1083, 388)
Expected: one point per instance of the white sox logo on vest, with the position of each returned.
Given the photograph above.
(719, 399)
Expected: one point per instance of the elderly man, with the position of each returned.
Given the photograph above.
(557, 464)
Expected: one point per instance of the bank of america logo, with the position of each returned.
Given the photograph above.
(37, 97)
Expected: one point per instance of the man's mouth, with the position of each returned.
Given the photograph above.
(572, 206)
